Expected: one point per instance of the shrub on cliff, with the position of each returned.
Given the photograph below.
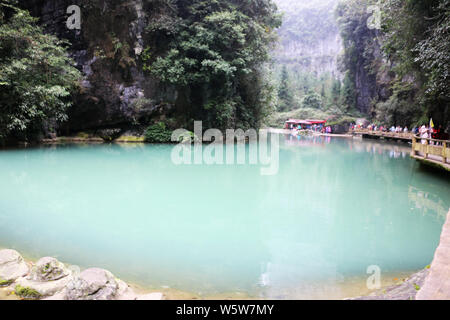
(158, 133)
(36, 75)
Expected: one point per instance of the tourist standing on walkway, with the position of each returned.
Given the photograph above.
(423, 133)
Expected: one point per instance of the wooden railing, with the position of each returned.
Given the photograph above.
(438, 150)
(387, 134)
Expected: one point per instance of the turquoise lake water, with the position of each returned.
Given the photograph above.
(335, 207)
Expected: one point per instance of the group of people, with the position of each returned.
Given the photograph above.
(326, 129)
(429, 132)
(399, 129)
(374, 127)
(424, 131)
(316, 128)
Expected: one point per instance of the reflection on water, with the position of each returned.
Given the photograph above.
(428, 203)
(394, 150)
(336, 207)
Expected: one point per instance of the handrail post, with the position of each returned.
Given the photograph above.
(444, 151)
(426, 148)
(414, 146)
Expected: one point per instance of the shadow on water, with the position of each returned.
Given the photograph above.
(435, 172)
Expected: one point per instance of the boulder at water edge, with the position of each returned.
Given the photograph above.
(48, 269)
(48, 277)
(95, 284)
(12, 265)
(100, 284)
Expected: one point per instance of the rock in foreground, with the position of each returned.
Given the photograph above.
(404, 291)
(50, 279)
(12, 265)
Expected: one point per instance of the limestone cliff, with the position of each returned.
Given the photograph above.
(309, 36)
(107, 49)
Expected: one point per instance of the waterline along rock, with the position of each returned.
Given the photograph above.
(50, 279)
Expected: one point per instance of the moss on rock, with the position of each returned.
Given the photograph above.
(26, 292)
(5, 283)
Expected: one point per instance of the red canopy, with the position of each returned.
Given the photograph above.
(317, 121)
(307, 122)
(296, 121)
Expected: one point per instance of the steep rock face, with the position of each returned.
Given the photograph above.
(365, 87)
(318, 58)
(372, 78)
(309, 36)
(107, 49)
(366, 67)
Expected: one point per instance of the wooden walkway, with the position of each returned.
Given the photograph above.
(428, 151)
(367, 134)
(437, 283)
(431, 152)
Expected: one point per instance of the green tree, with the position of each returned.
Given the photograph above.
(215, 60)
(336, 91)
(285, 97)
(312, 100)
(348, 93)
(36, 75)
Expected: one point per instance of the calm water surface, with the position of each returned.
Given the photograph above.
(335, 207)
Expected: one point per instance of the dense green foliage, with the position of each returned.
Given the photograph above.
(295, 83)
(215, 58)
(402, 68)
(433, 53)
(36, 76)
(417, 39)
(158, 133)
(285, 97)
(312, 100)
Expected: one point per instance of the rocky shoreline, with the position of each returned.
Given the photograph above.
(406, 289)
(49, 279)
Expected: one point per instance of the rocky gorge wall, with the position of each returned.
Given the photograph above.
(371, 78)
(108, 49)
(309, 36)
